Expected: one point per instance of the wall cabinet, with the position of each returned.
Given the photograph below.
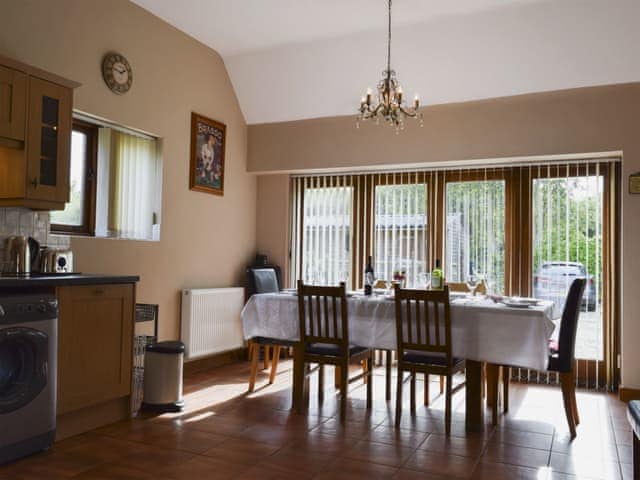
(95, 341)
(13, 104)
(35, 136)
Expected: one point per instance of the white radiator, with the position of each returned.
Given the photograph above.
(211, 320)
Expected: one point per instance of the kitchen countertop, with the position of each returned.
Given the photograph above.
(64, 279)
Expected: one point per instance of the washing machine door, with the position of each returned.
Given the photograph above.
(23, 366)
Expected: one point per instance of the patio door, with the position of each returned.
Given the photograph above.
(572, 218)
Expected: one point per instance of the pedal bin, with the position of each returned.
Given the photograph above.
(163, 362)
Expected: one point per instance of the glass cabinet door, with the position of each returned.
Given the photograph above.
(49, 133)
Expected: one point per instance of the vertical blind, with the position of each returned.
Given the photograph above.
(134, 180)
(526, 230)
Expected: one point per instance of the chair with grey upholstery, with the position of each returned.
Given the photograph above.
(264, 279)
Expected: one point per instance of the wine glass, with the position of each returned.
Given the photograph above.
(472, 281)
(425, 279)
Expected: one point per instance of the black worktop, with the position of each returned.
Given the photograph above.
(64, 280)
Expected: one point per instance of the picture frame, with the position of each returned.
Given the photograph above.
(634, 183)
(207, 158)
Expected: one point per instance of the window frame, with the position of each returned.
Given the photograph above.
(87, 228)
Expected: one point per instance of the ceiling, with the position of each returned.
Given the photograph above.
(296, 59)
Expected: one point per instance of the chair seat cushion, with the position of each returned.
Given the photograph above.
(331, 350)
(273, 341)
(633, 414)
(424, 358)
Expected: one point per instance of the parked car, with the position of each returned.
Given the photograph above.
(553, 279)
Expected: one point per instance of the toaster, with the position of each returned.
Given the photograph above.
(56, 261)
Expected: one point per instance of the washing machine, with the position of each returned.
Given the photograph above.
(28, 352)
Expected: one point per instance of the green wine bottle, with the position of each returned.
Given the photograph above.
(437, 277)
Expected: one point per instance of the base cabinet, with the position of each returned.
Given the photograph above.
(95, 340)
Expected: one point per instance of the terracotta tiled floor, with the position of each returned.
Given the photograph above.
(227, 434)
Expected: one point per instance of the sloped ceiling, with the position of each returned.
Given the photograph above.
(296, 59)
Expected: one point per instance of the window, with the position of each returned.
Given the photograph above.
(78, 216)
(400, 231)
(327, 235)
(528, 230)
(475, 236)
(116, 181)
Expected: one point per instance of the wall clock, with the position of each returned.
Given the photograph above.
(117, 73)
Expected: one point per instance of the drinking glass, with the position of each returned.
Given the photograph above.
(472, 281)
(425, 278)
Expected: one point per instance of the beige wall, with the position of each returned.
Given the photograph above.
(599, 119)
(205, 240)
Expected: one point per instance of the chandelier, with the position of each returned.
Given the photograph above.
(390, 104)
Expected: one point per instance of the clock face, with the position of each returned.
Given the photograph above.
(117, 73)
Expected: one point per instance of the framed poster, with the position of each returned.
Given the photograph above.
(208, 140)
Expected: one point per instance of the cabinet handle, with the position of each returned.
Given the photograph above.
(34, 182)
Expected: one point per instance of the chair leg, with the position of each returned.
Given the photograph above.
(441, 384)
(399, 398)
(369, 378)
(492, 374)
(413, 392)
(566, 383)
(298, 379)
(574, 403)
(321, 382)
(344, 382)
(484, 380)
(337, 376)
(265, 360)
(274, 364)
(426, 389)
(363, 365)
(254, 353)
(387, 393)
(447, 408)
(506, 378)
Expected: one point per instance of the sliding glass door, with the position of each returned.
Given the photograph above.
(567, 239)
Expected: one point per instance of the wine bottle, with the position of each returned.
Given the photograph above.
(437, 277)
(369, 277)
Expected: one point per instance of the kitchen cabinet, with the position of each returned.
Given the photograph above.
(95, 341)
(13, 104)
(35, 136)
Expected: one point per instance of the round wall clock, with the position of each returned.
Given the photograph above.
(117, 73)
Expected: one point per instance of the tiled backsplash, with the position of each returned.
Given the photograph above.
(22, 221)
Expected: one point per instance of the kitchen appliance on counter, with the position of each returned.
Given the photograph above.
(28, 359)
(23, 254)
(53, 260)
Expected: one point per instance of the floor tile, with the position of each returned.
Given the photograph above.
(513, 455)
(441, 464)
(382, 453)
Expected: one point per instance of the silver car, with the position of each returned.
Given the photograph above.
(553, 279)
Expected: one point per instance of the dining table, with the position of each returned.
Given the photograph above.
(483, 330)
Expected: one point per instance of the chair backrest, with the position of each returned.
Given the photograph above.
(262, 280)
(323, 315)
(569, 325)
(423, 322)
(458, 287)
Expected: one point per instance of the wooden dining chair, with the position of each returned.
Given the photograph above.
(423, 332)
(561, 357)
(324, 339)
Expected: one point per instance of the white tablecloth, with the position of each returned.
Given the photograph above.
(481, 330)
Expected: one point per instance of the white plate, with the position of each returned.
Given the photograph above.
(516, 304)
